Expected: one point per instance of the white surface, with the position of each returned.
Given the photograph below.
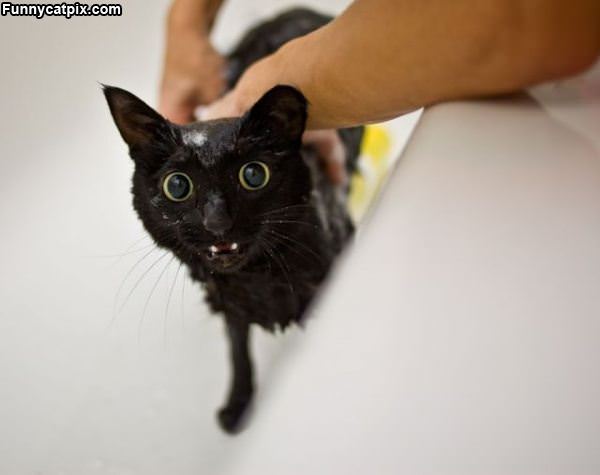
(76, 398)
(475, 351)
(79, 393)
(462, 334)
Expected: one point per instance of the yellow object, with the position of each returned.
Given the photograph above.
(376, 142)
(373, 165)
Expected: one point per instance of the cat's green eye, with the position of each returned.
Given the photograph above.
(177, 186)
(254, 175)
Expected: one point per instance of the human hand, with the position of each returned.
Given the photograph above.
(327, 144)
(256, 81)
(331, 152)
(193, 74)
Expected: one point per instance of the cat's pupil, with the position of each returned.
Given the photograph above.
(254, 175)
(178, 186)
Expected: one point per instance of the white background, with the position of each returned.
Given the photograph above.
(461, 336)
(79, 395)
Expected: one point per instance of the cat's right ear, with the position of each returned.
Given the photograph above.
(141, 127)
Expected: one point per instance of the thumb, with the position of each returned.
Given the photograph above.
(178, 113)
(227, 106)
(175, 107)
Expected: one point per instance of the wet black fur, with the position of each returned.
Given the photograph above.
(289, 232)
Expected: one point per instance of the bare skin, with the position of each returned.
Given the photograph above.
(193, 72)
(382, 58)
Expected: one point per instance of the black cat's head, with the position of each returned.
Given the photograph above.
(206, 190)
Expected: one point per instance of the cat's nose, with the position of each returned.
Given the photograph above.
(216, 219)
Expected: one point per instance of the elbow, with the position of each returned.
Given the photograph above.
(557, 40)
(552, 57)
(543, 41)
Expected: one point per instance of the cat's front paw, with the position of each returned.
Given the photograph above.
(232, 417)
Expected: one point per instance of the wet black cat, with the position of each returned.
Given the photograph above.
(241, 202)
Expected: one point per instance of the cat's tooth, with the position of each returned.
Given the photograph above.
(213, 249)
(234, 246)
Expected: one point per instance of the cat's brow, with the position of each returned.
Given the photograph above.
(179, 157)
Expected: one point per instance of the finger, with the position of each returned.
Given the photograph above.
(336, 171)
(179, 116)
(177, 112)
(331, 152)
(224, 107)
(212, 89)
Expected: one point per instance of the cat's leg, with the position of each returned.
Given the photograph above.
(240, 392)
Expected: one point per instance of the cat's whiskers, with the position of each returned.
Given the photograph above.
(280, 242)
(142, 278)
(262, 241)
(134, 251)
(137, 241)
(279, 259)
(291, 240)
(182, 301)
(168, 303)
(143, 317)
(290, 221)
(122, 285)
(296, 207)
(129, 250)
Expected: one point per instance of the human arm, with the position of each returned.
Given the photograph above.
(381, 58)
(193, 71)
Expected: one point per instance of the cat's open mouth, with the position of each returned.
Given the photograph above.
(222, 248)
(225, 254)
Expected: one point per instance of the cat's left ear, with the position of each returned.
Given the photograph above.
(278, 117)
(140, 126)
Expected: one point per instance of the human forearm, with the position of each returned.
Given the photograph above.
(196, 14)
(193, 70)
(384, 57)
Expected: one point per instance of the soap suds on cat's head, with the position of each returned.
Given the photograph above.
(194, 138)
